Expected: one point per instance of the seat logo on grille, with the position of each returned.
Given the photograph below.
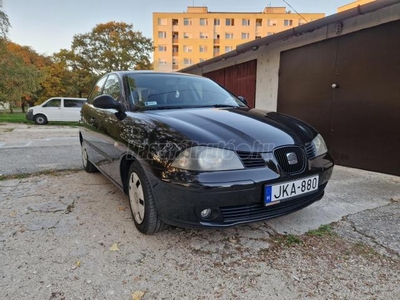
(292, 158)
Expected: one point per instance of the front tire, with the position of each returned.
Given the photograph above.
(87, 165)
(141, 201)
(40, 119)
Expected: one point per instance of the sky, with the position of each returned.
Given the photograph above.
(49, 25)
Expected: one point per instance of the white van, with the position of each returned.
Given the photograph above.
(56, 109)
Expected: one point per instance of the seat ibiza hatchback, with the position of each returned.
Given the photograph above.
(189, 153)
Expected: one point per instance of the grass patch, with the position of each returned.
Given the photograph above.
(19, 117)
(46, 172)
(16, 117)
(287, 240)
(323, 230)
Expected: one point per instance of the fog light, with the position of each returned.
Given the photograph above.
(206, 213)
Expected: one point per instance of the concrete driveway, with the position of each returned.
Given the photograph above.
(69, 235)
(33, 148)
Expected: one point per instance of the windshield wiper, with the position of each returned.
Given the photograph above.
(161, 107)
(220, 105)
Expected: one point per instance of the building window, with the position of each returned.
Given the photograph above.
(202, 48)
(162, 34)
(301, 22)
(162, 21)
(175, 64)
(288, 23)
(162, 62)
(202, 59)
(187, 48)
(270, 33)
(162, 48)
(187, 21)
(230, 22)
(203, 35)
(228, 36)
(175, 22)
(203, 22)
(228, 48)
(187, 35)
(187, 61)
(258, 37)
(175, 49)
(245, 22)
(216, 50)
(245, 35)
(272, 22)
(217, 22)
(258, 22)
(175, 36)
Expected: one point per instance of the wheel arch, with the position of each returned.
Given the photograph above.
(40, 114)
(125, 164)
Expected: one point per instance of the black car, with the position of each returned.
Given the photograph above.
(189, 153)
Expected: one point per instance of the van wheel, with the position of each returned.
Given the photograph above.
(141, 201)
(40, 119)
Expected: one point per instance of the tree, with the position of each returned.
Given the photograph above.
(33, 59)
(18, 79)
(4, 22)
(110, 47)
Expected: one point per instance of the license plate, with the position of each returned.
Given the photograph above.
(290, 189)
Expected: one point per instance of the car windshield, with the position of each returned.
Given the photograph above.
(163, 91)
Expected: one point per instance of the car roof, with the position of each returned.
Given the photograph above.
(122, 73)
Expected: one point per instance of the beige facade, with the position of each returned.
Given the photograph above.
(184, 39)
(353, 4)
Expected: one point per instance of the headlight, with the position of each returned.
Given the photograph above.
(203, 158)
(319, 145)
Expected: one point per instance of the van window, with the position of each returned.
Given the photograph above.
(53, 103)
(73, 103)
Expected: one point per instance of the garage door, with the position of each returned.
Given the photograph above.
(239, 79)
(348, 88)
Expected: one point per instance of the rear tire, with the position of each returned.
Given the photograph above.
(87, 165)
(141, 201)
(40, 119)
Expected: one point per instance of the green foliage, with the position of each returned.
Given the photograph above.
(13, 118)
(323, 230)
(18, 78)
(4, 23)
(110, 47)
(27, 77)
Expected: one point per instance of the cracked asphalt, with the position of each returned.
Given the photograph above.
(70, 235)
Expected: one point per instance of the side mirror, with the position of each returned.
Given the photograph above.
(243, 99)
(106, 102)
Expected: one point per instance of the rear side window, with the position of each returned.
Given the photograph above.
(53, 103)
(73, 103)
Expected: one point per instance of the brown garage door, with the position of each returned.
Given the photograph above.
(239, 79)
(360, 118)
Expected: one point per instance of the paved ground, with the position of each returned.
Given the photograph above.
(33, 148)
(69, 235)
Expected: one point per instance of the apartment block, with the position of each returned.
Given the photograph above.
(187, 38)
(353, 4)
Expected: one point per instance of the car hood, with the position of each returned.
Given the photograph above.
(239, 129)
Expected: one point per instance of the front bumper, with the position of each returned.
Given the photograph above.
(237, 200)
(29, 115)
